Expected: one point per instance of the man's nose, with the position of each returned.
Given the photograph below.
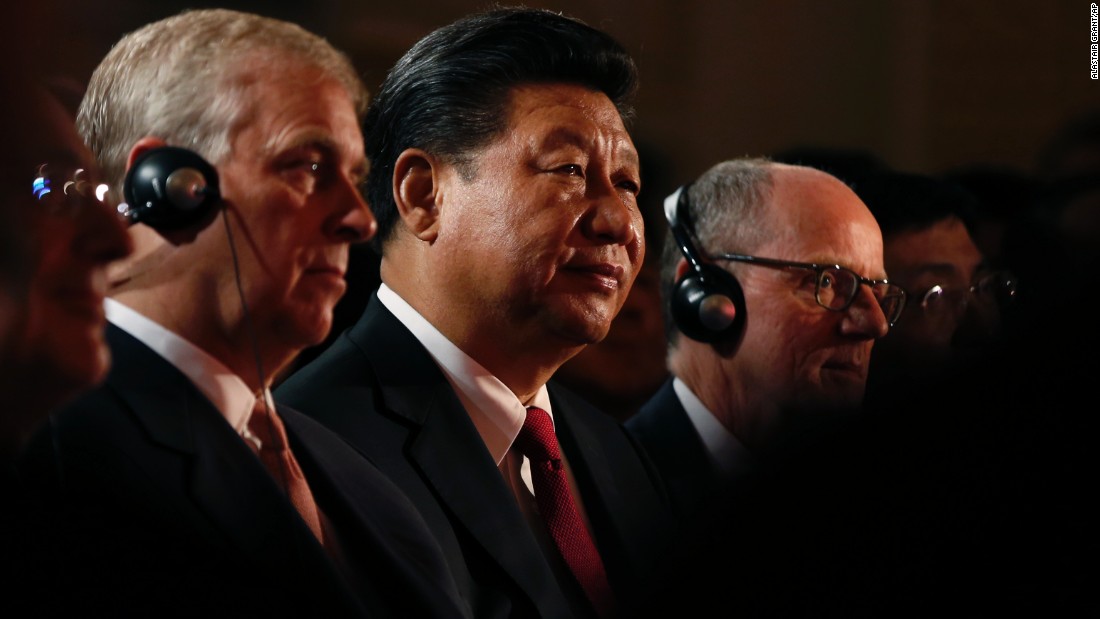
(353, 221)
(864, 318)
(613, 220)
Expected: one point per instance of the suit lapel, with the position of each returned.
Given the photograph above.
(627, 508)
(377, 526)
(449, 451)
(226, 481)
(665, 430)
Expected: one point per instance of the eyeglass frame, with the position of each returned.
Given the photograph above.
(65, 195)
(820, 269)
(1006, 275)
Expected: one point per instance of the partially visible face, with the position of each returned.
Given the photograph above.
(543, 243)
(291, 187)
(794, 352)
(58, 325)
(941, 255)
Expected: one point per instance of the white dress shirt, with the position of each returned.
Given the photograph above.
(225, 390)
(498, 416)
(496, 412)
(728, 456)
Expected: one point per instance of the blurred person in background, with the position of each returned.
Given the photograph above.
(956, 299)
(60, 238)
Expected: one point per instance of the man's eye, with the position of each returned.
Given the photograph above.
(572, 169)
(630, 186)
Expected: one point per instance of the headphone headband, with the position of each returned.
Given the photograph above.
(707, 303)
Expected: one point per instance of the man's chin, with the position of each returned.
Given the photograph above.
(303, 331)
(578, 321)
(581, 333)
(838, 391)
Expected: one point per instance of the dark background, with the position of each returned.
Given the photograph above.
(977, 488)
(925, 85)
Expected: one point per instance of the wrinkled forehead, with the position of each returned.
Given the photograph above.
(564, 108)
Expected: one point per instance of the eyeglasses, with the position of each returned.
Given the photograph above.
(835, 286)
(65, 192)
(997, 288)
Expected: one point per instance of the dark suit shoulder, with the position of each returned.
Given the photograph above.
(161, 507)
(381, 391)
(394, 547)
(666, 433)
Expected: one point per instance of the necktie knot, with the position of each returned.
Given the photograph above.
(275, 454)
(537, 440)
(264, 427)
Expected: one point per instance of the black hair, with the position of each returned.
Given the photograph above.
(448, 95)
(902, 201)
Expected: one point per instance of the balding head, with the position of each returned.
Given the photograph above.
(794, 354)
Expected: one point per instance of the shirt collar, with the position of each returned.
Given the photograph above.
(496, 412)
(727, 453)
(225, 390)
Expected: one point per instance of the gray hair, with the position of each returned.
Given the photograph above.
(727, 207)
(182, 79)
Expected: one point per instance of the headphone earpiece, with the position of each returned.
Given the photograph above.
(170, 188)
(707, 302)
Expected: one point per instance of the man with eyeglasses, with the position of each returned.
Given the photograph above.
(62, 239)
(956, 298)
(806, 255)
(56, 244)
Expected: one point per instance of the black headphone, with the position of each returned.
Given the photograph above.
(169, 188)
(707, 303)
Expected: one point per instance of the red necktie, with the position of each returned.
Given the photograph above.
(277, 457)
(537, 441)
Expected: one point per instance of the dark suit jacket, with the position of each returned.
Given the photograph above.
(665, 432)
(378, 387)
(162, 509)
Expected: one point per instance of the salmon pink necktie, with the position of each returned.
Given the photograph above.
(277, 457)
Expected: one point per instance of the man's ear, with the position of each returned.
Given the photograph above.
(416, 185)
(681, 267)
(141, 147)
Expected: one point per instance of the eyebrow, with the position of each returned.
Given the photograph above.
(828, 262)
(567, 136)
(320, 140)
(936, 269)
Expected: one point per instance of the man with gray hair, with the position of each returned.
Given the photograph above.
(179, 486)
(775, 286)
